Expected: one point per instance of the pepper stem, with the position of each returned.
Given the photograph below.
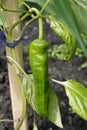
(40, 28)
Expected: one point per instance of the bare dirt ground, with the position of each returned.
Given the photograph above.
(60, 70)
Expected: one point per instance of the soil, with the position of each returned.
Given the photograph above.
(60, 70)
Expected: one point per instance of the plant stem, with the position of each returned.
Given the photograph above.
(9, 10)
(23, 29)
(17, 65)
(59, 82)
(32, 19)
(44, 6)
(27, 5)
(16, 23)
(40, 28)
(7, 120)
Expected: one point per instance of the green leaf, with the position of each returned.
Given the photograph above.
(54, 111)
(82, 3)
(53, 106)
(29, 90)
(80, 15)
(77, 94)
(63, 31)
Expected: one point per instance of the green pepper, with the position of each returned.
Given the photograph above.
(38, 58)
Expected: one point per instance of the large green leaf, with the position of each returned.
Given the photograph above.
(53, 106)
(80, 10)
(77, 94)
(81, 16)
(63, 31)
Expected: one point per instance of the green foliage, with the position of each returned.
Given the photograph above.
(62, 30)
(77, 95)
(63, 21)
(79, 52)
(62, 52)
(81, 17)
(59, 52)
(82, 3)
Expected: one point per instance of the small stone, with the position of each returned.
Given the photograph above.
(50, 129)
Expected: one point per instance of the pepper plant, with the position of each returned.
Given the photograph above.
(74, 14)
(35, 88)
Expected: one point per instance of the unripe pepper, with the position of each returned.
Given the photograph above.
(39, 65)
